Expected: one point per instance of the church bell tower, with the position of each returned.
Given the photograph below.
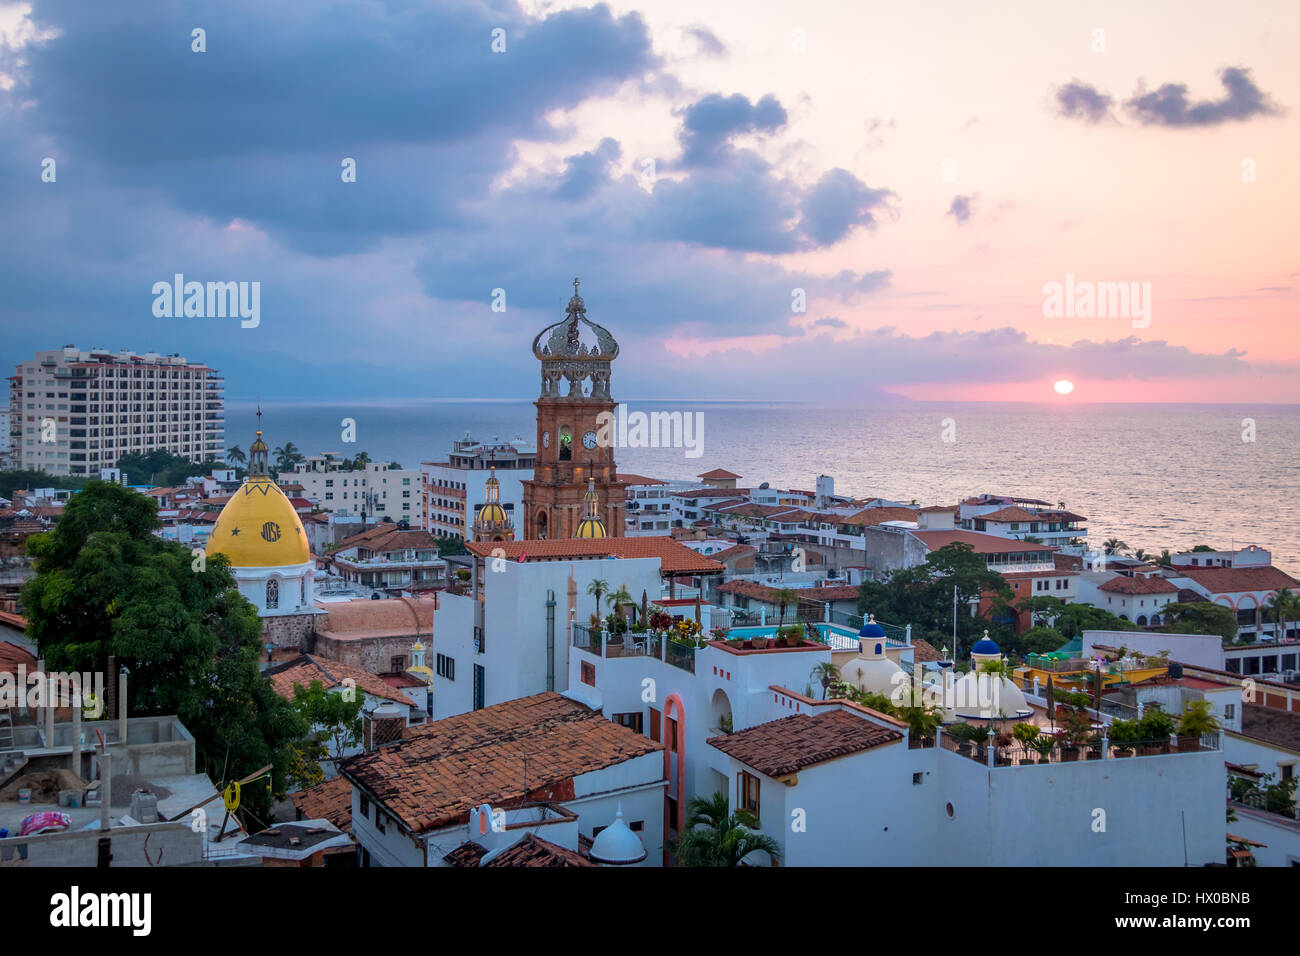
(575, 475)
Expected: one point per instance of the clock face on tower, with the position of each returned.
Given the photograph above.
(589, 440)
(546, 439)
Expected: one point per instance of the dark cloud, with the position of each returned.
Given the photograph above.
(961, 209)
(585, 171)
(706, 40)
(1078, 100)
(1169, 106)
(709, 124)
(831, 322)
(837, 204)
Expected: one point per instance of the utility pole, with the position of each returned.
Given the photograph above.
(954, 624)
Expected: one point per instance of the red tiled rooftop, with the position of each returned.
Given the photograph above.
(630, 479)
(718, 474)
(440, 771)
(1122, 584)
(304, 669)
(786, 746)
(1234, 580)
(331, 800)
(533, 851)
(979, 543)
(674, 557)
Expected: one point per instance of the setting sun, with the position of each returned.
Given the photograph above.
(1064, 387)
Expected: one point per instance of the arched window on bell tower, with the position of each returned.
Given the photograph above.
(272, 593)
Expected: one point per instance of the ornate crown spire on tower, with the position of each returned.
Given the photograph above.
(257, 451)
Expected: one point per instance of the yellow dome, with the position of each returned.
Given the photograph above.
(491, 513)
(258, 528)
(591, 528)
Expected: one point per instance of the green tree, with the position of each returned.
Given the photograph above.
(784, 597)
(1201, 617)
(1284, 604)
(29, 479)
(160, 468)
(825, 673)
(105, 585)
(715, 836)
(596, 587)
(1041, 640)
(1201, 549)
(235, 455)
(448, 545)
(1114, 546)
(335, 724)
(287, 456)
(1074, 619)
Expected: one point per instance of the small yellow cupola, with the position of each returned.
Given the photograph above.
(491, 523)
(591, 525)
(258, 527)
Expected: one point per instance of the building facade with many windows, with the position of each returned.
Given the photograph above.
(74, 412)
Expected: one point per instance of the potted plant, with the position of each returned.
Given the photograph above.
(1123, 734)
(1077, 730)
(1155, 727)
(1026, 734)
(966, 735)
(1001, 755)
(758, 641)
(1196, 720)
(1094, 746)
(1043, 745)
(922, 722)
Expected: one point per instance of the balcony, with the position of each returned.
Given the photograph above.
(1018, 755)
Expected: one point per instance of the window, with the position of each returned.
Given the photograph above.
(273, 593)
(631, 721)
(655, 717)
(365, 806)
(445, 667)
(588, 676)
(1229, 711)
(747, 792)
(480, 676)
(1288, 770)
(917, 778)
(380, 821)
(399, 663)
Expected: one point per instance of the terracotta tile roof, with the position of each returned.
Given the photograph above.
(674, 557)
(364, 618)
(467, 854)
(979, 543)
(1060, 516)
(837, 592)
(871, 516)
(1234, 580)
(1122, 584)
(12, 655)
(1067, 562)
(724, 505)
(749, 589)
(933, 509)
(441, 770)
(331, 800)
(709, 493)
(533, 851)
(735, 551)
(304, 669)
(923, 651)
(718, 474)
(388, 537)
(630, 479)
(1272, 725)
(786, 746)
(1014, 513)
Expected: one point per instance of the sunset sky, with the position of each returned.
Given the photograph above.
(922, 171)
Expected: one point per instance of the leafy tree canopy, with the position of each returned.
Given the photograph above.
(1201, 617)
(105, 585)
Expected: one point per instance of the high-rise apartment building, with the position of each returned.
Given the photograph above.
(455, 489)
(74, 412)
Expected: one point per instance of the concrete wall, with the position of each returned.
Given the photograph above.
(1203, 650)
(1280, 836)
(161, 844)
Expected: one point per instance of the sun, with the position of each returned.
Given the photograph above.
(1064, 387)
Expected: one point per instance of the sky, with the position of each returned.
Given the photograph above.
(763, 201)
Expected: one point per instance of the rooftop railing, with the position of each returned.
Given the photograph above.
(1061, 751)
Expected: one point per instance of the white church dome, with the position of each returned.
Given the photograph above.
(617, 845)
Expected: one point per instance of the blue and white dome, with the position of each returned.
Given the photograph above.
(871, 629)
(986, 646)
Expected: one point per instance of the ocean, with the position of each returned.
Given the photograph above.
(1156, 476)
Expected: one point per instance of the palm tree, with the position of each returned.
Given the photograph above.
(715, 836)
(1114, 546)
(826, 672)
(620, 598)
(1166, 558)
(784, 597)
(235, 455)
(1283, 604)
(286, 456)
(1142, 555)
(597, 587)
